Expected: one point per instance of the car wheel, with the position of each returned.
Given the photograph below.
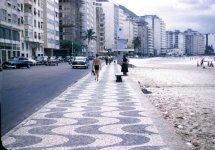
(28, 66)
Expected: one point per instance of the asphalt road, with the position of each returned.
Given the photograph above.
(26, 90)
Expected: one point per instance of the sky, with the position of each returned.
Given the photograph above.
(198, 15)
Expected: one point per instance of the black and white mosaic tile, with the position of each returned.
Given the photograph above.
(89, 115)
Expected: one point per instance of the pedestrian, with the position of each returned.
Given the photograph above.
(97, 66)
(106, 60)
(109, 60)
(124, 68)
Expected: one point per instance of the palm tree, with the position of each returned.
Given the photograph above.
(89, 35)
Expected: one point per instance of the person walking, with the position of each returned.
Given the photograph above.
(97, 66)
(124, 68)
(106, 60)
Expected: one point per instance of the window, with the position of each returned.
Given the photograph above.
(35, 11)
(1, 33)
(38, 24)
(21, 7)
(3, 14)
(35, 24)
(35, 35)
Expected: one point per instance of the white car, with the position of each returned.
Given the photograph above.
(80, 61)
(32, 62)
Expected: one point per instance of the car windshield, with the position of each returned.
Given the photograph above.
(80, 59)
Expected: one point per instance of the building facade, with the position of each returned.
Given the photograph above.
(111, 11)
(70, 22)
(88, 9)
(51, 26)
(157, 26)
(32, 36)
(10, 28)
(194, 42)
(175, 41)
(100, 28)
(210, 42)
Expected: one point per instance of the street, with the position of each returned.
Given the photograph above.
(26, 90)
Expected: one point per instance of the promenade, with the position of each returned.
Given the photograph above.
(96, 115)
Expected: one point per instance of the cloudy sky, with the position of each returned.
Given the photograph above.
(177, 14)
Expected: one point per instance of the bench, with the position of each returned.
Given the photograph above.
(119, 77)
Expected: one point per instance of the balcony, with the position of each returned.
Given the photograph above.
(30, 2)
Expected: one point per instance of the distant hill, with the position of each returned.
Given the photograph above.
(130, 13)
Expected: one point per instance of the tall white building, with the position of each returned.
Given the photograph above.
(122, 40)
(129, 31)
(210, 40)
(100, 27)
(163, 37)
(175, 40)
(33, 34)
(51, 26)
(10, 28)
(111, 11)
(88, 9)
(194, 42)
(158, 31)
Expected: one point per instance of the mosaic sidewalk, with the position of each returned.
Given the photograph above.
(89, 115)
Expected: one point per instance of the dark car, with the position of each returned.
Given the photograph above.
(16, 63)
(80, 62)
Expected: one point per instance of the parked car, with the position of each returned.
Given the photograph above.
(60, 59)
(40, 60)
(32, 62)
(16, 63)
(80, 61)
(52, 61)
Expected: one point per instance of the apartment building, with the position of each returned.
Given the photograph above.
(175, 40)
(70, 20)
(75, 18)
(32, 35)
(210, 42)
(158, 31)
(10, 27)
(51, 27)
(100, 28)
(88, 9)
(163, 37)
(111, 11)
(194, 42)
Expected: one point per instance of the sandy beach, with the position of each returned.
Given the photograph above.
(183, 93)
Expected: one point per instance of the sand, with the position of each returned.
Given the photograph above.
(183, 93)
